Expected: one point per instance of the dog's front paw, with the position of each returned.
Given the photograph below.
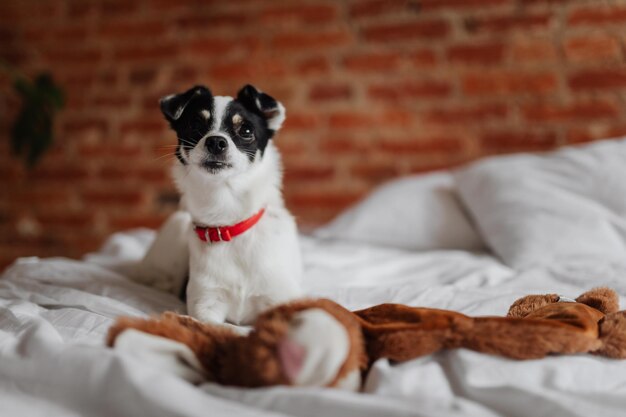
(214, 317)
(315, 348)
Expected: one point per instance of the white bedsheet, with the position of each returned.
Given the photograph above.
(55, 314)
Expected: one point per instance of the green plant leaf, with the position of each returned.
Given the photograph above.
(32, 131)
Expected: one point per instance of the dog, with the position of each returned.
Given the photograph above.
(233, 236)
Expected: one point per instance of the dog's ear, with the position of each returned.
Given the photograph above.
(264, 105)
(174, 105)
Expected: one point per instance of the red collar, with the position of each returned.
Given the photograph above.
(226, 233)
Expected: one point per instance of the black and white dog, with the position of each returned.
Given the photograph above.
(233, 236)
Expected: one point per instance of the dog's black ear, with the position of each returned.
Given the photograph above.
(264, 105)
(174, 105)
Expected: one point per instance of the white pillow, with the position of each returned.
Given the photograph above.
(561, 207)
(415, 213)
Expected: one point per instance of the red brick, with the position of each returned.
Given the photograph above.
(117, 8)
(74, 56)
(143, 127)
(332, 199)
(157, 175)
(508, 140)
(40, 13)
(113, 101)
(589, 132)
(444, 145)
(533, 50)
(113, 173)
(508, 82)
(372, 62)
(341, 145)
(467, 114)
(375, 172)
(9, 173)
(424, 166)
(132, 29)
(597, 15)
(65, 219)
(490, 53)
(410, 90)
(182, 75)
(301, 121)
(301, 13)
(429, 5)
(609, 78)
(78, 9)
(507, 23)
(354, 120)
(423, 58)
(60, 174)
(113, 150)
(84, 125)
(324, 92)
(52, 196)
(214, 46)
(157, 52)
(68, 34)
(6, 261)
(313, 65)
(365, 8)
(108, 77)
(351, 120)
(143, 76)
(304, 40)
(592, 47)
(372, 8)
(94, 198)
(151, 101)
(397, 32)
(77, 82)
(309, 172)
(32, 35)
(242, 71)
(7, 35)
(170, 6)
(198, 22)
(289, 146)
(547, 2)
(396, 118)
(584, 110)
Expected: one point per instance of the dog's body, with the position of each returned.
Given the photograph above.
(227, 171)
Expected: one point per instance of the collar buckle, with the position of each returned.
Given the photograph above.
(226, 233)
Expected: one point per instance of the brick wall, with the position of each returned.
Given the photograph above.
(374, 89)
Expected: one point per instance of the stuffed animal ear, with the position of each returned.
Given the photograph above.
(526, 305)
(174, 105)
(602, 299)
(264, 105)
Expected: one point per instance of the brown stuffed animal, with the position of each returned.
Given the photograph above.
(320, 343)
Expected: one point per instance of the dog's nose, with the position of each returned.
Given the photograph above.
(217, 145)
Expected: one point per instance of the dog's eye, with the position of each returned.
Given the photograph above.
(246, 131)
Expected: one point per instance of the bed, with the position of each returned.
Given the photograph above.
(472, 240)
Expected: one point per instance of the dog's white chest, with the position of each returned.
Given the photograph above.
(237, 280)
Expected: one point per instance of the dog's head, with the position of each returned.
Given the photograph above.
(222, 136)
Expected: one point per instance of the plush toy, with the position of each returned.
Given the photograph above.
(320, 343)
